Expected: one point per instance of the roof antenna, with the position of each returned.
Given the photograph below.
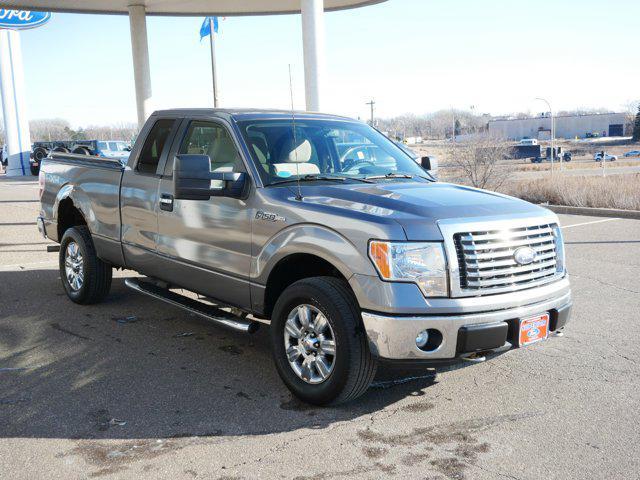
(295, 140)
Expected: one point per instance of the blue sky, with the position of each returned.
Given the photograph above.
(412, 56)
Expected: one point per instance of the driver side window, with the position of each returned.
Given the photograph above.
(212, 139)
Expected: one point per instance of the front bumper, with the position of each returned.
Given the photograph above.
(394, 337)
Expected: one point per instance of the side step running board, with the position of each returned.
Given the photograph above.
(194, 306)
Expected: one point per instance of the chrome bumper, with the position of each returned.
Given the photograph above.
(394, 337)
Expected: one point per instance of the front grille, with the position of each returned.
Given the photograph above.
(487, 264)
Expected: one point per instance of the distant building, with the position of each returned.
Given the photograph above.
(570, 126)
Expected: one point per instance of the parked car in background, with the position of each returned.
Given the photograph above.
(607, 157)
(633, 153)
(528, 141)
(117, 149)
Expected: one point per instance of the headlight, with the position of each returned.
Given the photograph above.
(421, 263)
(557, 233)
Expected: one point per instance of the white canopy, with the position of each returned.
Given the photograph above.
(180, 7)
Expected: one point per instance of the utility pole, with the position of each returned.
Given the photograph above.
(214, 73)
(371, 104)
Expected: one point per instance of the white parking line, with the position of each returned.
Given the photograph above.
(28, 266)
(590, 223)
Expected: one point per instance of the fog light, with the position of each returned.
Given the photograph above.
(429, 340)
(422, 339)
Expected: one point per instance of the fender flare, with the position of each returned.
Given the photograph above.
(312, 239)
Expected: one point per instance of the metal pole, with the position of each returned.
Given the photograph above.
(214, 74)
(553, 152)
(16, 123)
(141, 70)
(313, 50)
(553, 133)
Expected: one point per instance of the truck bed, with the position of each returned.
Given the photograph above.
(91, 183)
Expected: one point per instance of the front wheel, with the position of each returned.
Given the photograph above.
(319, 345)
(85, 277)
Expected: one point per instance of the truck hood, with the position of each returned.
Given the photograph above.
(418, 206)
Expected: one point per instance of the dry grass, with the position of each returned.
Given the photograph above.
(575, 165)
(614, 191)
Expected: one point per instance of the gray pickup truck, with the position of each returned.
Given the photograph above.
(317, 225)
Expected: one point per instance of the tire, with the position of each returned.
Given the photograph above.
(352, 365)
(39, 154)
(81, 151)
(96, 275)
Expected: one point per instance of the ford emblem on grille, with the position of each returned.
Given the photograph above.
(524, 255)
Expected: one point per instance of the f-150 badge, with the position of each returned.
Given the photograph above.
(269, 217)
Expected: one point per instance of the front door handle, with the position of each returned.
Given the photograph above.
(166, 202)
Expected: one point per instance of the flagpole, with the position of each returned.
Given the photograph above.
(214, 75)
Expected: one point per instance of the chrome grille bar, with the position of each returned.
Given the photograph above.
(487, 263)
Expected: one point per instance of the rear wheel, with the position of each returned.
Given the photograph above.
(85, 277)
(81, 151)
(39, 153)
(319, 346)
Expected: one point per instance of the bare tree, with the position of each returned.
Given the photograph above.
(479, 161)
(435, 125)
(48, 129)
(121, 131)
(631, 110)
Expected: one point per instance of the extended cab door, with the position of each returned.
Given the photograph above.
(205, 245)
(139, 193)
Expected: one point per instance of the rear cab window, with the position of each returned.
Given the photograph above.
(154, 145)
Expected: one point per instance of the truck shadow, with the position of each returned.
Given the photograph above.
(135, 368)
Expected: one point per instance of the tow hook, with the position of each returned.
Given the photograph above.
(474, 358)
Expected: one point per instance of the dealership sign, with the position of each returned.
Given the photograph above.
(21, 19)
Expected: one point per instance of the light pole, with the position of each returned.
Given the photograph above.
(553, 134)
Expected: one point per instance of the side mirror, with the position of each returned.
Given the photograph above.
(193, 180)
(429, 163)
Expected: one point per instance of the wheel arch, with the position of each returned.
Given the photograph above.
(303, 251)
(69, 209)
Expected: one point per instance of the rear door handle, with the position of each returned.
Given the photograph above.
(166, 202)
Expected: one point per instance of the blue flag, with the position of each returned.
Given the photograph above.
(205, 29)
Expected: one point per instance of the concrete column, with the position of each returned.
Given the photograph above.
(313, 49)
(140, 52)
(16, 123)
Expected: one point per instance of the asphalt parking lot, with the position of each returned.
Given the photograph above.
(134, 388)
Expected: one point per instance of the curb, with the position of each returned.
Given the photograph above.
(593, 212)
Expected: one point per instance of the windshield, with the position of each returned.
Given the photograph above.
(324, 148)
(117, 146)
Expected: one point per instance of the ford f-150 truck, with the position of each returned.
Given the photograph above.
(319, 226)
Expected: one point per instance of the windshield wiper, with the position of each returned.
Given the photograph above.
(389, 175)
(310, 178)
